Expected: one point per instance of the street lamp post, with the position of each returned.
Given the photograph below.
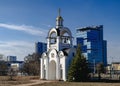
(94, 65)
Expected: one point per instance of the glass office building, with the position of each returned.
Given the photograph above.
(40, 47)
(11, 58)
(92, 44)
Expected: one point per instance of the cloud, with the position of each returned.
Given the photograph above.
(28, 29)
(47, 25)
(17, 48)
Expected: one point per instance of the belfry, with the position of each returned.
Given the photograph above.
(60, 52)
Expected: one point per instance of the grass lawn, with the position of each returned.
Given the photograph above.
(77, 84)
(17, 80)
(4, 80)
(10, 83)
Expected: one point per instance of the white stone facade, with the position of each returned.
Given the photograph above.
(56, 60)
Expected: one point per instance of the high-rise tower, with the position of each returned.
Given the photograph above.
(93, 46)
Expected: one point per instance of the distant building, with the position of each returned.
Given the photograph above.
(93, 46)
(16, 65)
(11, 58)
(2, 58)
(40, 47)
(113, 68)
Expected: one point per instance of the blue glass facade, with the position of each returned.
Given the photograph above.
(40, 47)
(92, 44)
(11, 58)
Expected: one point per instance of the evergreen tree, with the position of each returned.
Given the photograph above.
(3, 68)
(78, 70)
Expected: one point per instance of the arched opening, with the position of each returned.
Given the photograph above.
(52, 70)
(66, 38)
(53, 36)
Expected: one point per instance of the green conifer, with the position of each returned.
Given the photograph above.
(78, 70)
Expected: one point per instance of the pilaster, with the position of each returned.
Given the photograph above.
(47, 66)
(42, 70)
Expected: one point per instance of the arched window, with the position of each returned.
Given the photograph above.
(65, 38)
(53, 36)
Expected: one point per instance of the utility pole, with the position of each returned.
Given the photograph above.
(94, 65)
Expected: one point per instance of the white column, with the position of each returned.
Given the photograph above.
(64, 69)
(42, 70)
(47, 68)
(48, 44)
(58, 43)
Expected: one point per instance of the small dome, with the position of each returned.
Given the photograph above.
(59, 18)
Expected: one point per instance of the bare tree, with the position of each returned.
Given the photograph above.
(100, 69)
(12, 73)
(32, 64)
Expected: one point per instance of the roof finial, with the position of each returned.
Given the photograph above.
(59, 20)
(59, 12)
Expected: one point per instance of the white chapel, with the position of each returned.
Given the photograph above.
(56, 60)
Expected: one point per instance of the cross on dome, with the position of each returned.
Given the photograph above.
(59, 20)
(59, 12)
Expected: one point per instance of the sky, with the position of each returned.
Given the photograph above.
(24, 22)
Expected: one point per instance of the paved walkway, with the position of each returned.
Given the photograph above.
(34, 82)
